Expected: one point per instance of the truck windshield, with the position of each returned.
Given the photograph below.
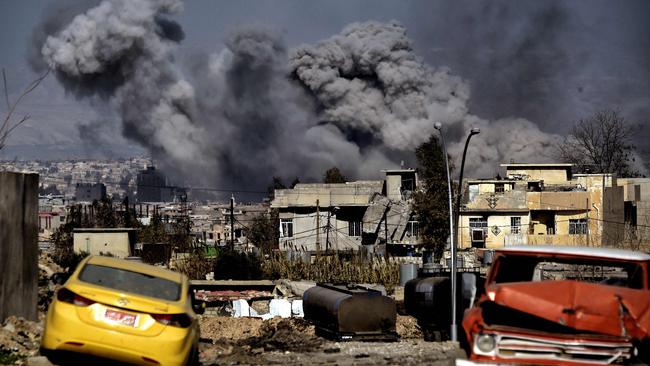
(515, 268)
(133, 282)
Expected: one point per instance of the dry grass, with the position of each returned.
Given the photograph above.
(335, 269)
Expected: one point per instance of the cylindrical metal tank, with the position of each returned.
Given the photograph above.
(407, 272)
(488, 256)
(348, 313)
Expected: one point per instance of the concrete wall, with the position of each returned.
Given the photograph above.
(500, 220)
(304, 232)
(18, 245)
(613, 217)
(95, 243)
(548, 175)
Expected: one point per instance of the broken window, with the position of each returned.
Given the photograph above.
(354, 228)
(608, 275)
(413, 229)
(286, 228)
(524, 268)
(578, 227)
(515, 225)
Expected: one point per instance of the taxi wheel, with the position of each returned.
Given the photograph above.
(52, 356)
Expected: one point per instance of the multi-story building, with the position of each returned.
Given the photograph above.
(344, 216)
(542, 204)
(150, 183)
(88, 192)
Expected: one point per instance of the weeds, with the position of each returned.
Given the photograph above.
(335, 269)
(195, 266)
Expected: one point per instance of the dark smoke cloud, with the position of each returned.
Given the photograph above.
(361, 100)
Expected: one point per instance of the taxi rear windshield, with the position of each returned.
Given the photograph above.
(129, 281)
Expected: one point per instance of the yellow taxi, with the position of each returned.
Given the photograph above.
(125, 311)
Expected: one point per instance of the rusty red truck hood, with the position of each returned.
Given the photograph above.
(604, 309)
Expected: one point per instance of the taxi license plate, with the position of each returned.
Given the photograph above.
(119, 317)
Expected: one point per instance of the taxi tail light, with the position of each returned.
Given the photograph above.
(175, 320)
(70, 297)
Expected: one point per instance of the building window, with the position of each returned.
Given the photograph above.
(477, 222)
(286, 228)
(413, 229)
(515, 225)
(499, 188)
(578, 227)
(354, 228)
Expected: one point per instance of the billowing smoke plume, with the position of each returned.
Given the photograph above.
(361, 100)
(369, 81)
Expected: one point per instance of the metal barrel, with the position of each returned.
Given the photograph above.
(407, 272)
(347, 313)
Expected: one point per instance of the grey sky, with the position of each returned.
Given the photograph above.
(548, 61)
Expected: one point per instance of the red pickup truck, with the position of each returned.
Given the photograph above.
(549, 305)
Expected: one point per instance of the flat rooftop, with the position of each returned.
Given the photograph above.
(539, 165)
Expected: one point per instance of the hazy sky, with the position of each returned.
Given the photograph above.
(551, 62)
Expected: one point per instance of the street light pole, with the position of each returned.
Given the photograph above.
(452, 247)
(454, 330)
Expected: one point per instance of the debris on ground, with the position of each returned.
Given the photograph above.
(19, 339)
(229, 295)
(290, 334)
(46, 288)
(408, 328)
(230, 329)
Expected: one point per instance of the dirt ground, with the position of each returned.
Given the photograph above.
(252, 341)
(229, 341)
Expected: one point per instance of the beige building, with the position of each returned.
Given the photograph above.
(637, 212)
(346, 216)
(542, 204)
(118, 242)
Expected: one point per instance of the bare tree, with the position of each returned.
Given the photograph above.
(601, 143)
(9, 123)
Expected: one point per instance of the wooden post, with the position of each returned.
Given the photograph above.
(18, 245)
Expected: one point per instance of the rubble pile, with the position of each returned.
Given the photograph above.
(291, 334)
(408, 328)
(229, 295)
(19, 339)
(222, 329)
(46, 288)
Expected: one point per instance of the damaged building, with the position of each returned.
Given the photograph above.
(349, 216)
(542, 204)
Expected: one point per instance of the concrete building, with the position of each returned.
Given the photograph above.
(542, 204)
(152, 186)
(118, 242)
(88, 192)
(637, 212)
(344, 216)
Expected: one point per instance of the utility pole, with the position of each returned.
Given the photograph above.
(318, 225)
(232, 223)
(327, 233)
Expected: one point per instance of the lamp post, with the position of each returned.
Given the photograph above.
(454, 330)
(452, 247)
(453, 223)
